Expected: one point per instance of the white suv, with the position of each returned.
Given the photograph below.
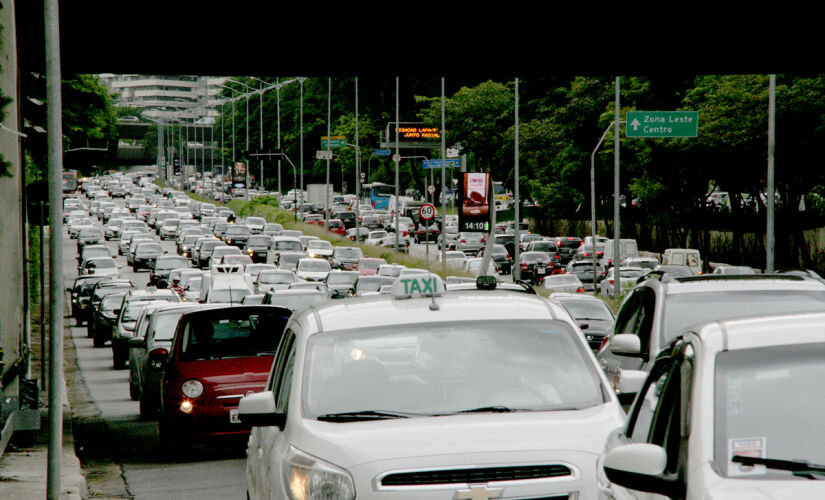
(655, 311)
(726, 413)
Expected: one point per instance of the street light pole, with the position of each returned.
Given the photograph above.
(397, 159)
(617, 258)
(301, 192)
(357, 169)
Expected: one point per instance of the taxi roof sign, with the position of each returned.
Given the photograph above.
(486, 282)
(418, 285)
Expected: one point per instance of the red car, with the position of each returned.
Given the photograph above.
(337, 226)
(316, 219)
(368, 266)
(218, 356)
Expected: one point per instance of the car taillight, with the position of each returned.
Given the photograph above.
(610, 281)
(463, 241)
(523, 265)
(508, 257)
(580, 289)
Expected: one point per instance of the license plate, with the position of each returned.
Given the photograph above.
(233, 416)
(540, 270)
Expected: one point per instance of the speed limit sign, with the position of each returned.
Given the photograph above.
(431, 189)
(427, 211)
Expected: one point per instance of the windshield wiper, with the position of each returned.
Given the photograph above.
(351, 416)
(799, 468)
(490, 409)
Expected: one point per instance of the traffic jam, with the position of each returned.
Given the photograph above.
(344, 375)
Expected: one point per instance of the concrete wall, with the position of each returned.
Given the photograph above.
(11, 234)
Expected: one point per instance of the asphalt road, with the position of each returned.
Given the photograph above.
(119, 452)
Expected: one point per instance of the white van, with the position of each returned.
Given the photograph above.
(628, 249)
(683, 257)
(225, 283)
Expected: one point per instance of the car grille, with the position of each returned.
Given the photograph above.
(475, 475)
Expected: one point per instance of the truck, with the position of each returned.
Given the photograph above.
(628, 249)
(317, 194)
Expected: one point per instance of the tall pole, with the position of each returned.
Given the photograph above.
(223, 158)
(261, 132)
(246, 153)
(329, 151)
(357, 169)
(42, 298)
(517, 210)
(770, 243)
(278, 105)
(55, 162)
(212, 156)
(617, 258)
(397, 159)
(443, 234)
(301, 192)
(593, 201)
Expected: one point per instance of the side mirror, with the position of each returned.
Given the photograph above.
(626, 344)
(630, 383)
(139, 342)
(258, 410)
(640, 466)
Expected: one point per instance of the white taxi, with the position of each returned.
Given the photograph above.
(430, 394)
(729, 410)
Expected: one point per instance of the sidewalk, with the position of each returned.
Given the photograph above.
(24, 464)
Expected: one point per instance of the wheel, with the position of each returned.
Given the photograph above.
(118, 359)
(172, 440)
(148, 411)
(98, 340)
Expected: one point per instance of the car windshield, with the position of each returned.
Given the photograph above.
(289, 246)
(150, 248)
(684, 309)
(132, 312)
(343, 278)
(763, 407)
(534, 257)
(226, 295)
(378, 234)
(111, 302)
(275, 278)
(561, 279)
(237, 230)
(165, 325)
(347, 253)
(588, 309)
(449, 368)
(319, 245)
(240, 335)
(258, 241)
(296, 301)
(370, 284)
(171, 263)
(393, 271)
(313, 266)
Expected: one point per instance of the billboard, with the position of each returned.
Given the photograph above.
(474, 202)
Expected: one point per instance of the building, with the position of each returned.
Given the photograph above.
(166, 95)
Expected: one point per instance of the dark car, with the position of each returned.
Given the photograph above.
(546, 246)
(567, 246)
(217, 356)
(503, 260)
(104, 318)
(236, 235)
(163, 265)
(584, 271)
(342, 284)
(145, 255)
(77, 286)
(347, 217)
(508, 240)
(346, 258)
(257, 246)
(534, 266)
(592, 314)
(372, 222)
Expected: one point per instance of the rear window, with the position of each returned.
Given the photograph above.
(244, 335)
(568, 243)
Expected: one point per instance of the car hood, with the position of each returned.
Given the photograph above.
(223, 377)
(460, 439)
(312, 276)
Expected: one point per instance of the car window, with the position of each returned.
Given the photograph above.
(284, 376)
(246, 335)
(636, 316)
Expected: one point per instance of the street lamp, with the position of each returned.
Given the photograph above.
(278, 85)
(246, 155)
(241, 94)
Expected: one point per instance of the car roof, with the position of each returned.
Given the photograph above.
(761, 331)
(481, 305)
(733, 282)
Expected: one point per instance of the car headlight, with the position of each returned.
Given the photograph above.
(192, 388)
(308, 478)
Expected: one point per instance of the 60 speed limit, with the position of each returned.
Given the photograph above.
(427, 211)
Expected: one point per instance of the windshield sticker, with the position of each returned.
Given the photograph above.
(748, 447)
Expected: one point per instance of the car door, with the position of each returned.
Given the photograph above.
(266, 444)
(636, 317)
(661, 416)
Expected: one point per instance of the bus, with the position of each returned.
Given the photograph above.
(70, 181)
(380, 194)
(502, 196)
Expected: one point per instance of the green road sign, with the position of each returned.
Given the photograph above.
(334, 141)
(662, 124)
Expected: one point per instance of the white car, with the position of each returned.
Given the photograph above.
(430, 395)
(310, 269)
(726, 413)
(375, 237)
(320, 248)
(453, 258)
(562, 283)
(255, 224)
(269, 280)
(101, 266)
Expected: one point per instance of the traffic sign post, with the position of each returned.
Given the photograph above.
(662, 124)
(426, 212)
(323, 155)
(449, 163)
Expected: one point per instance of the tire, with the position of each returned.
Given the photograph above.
(171, 439)
(98, 340)
(148, 411)
(118, 359)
